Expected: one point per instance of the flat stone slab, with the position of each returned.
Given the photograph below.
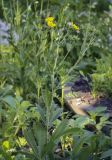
(80, 100)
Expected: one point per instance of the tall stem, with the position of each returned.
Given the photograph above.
(62, 95)
(47, 7)
(41, 7)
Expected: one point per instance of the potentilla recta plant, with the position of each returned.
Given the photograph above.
(37, 67)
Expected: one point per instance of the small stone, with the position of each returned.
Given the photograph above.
(78, 101)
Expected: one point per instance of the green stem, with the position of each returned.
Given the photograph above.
(47, 114)
(54, 68)
(38, 91)
(47, 7)
(41, 8)
(62, 96)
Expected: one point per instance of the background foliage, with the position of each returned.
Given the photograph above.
(33, 70)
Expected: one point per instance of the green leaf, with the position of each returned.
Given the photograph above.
(55, 115)
(28, 133)
(60, 130)
(5, 91)
(19, 99)
(69, 47)
(10, 101)
(25, 104)
(107, 154)
(85, 153)
(41, 112)
(40, 134)
(5, 155)
(100, 109)
(82, 121)
(73, 131)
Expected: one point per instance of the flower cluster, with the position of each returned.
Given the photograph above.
(75, 26)
(50, 22)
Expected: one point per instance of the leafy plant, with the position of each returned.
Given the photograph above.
(102, 78)
(49, 50)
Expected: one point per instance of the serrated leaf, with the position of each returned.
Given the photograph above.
(60, 130)
(40, 134)
(28, 133)
(55, 115)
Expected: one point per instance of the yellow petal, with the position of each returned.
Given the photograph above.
(6, 145)
(75, 26)
(49, 19)
(51, 24)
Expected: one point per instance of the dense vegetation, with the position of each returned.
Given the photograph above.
(51, 42)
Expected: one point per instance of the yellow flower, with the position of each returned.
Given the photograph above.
(49, 19)
(50, 22)
(75, 26)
